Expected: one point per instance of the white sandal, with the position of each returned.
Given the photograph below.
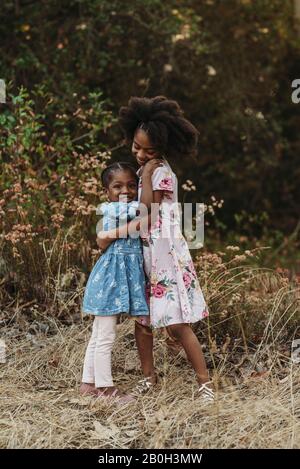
(207, 394)
(144, 385)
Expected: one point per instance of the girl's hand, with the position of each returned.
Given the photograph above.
(151, 166)
(103, 241)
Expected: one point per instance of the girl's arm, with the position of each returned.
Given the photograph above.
(105, 238)
(152, 200)
(148, 195)
(147, 192)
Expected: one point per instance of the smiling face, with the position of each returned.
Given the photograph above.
(142, 149)
(122, 187)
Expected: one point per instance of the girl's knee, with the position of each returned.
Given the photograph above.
(111, 335)
(142, 327)
(176, 330)
(143, 320)
(107, 335)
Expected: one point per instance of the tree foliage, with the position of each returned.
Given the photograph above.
(229, 64)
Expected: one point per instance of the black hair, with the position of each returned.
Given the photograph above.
(169, 131)
(107, 173)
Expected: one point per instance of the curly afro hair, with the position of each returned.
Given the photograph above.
(169, 131)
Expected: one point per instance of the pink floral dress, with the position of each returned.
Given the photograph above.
(175, 293)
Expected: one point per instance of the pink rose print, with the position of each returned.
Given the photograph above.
(187, 279)
(166, 184)
(158, 223)
(192, 268)
(205, 314)
(158, 290)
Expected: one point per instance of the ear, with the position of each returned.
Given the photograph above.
(105, 191)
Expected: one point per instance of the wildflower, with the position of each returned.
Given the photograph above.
(240, 258)
(211, 71)
(17, 187)
(232, 248)
(168, 68)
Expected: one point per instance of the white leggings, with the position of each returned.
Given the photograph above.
(97, 361)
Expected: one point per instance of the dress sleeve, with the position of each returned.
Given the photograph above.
(132, 209)
(162, 179)
(103, 209)
(108, 211)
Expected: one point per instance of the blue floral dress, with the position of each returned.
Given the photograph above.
(117, 281)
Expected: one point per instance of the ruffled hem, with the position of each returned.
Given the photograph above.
(112, 313)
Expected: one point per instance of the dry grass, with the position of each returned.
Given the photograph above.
(40, 406)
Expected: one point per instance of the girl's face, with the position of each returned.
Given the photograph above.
(142, 149)
(122, 187)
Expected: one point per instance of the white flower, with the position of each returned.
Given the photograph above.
(81, 26)
(177, 37)
(211, 71)
(263, 30)
(168, 68)
(259, 115)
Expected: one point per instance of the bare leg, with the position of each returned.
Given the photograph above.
(185, 335)
(144, 342)
(174, 345)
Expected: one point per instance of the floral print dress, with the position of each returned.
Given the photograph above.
(175, 293)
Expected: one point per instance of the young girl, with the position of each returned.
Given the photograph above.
(117, 282)
(156, 129)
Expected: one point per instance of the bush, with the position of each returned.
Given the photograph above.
(50, 189)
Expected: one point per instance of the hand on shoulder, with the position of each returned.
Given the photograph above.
(151, 166)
